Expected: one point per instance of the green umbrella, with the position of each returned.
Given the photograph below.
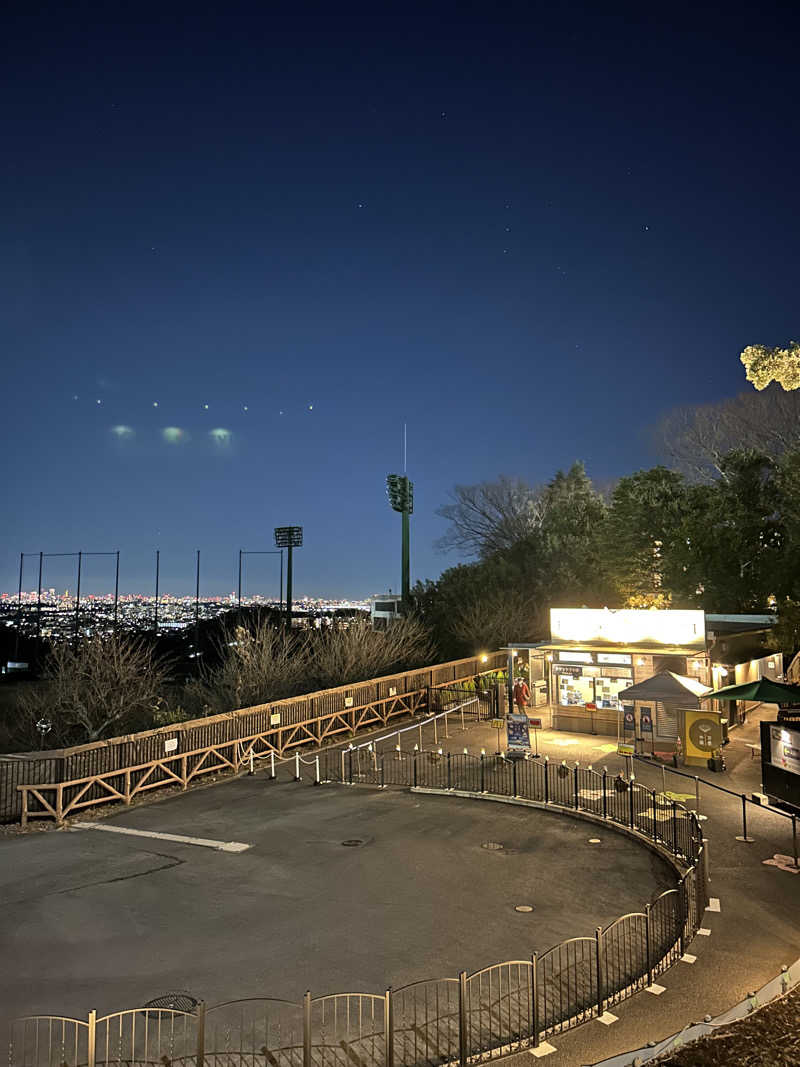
(764, 689)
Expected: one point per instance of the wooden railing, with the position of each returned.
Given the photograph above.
(58, 800)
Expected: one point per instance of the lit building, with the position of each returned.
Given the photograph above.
(593, 655)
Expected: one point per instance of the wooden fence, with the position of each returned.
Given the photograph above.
(55, 783)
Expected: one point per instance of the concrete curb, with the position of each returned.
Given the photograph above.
(775, 988)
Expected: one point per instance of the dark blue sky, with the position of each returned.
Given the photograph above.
(526, 233)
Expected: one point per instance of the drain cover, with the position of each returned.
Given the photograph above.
(180, 1001)
(352, 842)
(492, 846)
(523, 907)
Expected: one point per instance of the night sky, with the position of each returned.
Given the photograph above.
(527, 234)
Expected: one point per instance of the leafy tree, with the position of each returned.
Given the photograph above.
(571, 566)
(642, 527)
(729, 554)
(764, 365)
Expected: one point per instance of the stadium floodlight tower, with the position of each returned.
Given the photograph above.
(289, 537)
(400, 490)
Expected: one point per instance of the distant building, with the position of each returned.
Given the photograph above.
(383, 609)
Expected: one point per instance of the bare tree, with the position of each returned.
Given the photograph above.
(696, 438)
(490, 516)
(355, 652)
(259, 663)
(493, 621)
(99, 687)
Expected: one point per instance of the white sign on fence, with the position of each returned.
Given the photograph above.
(171, 744)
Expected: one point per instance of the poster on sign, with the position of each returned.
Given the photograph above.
(645, 722)
(628, 719)
(518, 734)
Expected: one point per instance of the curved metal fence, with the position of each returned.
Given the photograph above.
(509, 1006)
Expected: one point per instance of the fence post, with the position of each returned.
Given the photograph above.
(744, 837)
(535, 999)
(350, 754)
(60, 804)
(483, 774)
(307, 1029)
(449, 771)
(388, 1028)
(428, 700)
(514, 778)
(794, 839)
(316, 770)
(655, 816)
(446, 734)
(415, 767)
(91, 1039)
(630, 803)
(598, 936)
(697, 795)
(682, 910)
(435, 732)
(24, 806)
(577, 797)
(201, 1033)
(297, 775)
(605, 799)
(547, 779)
(674, 828)
(462, 1019)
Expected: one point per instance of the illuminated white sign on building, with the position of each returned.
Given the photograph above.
(599, 626)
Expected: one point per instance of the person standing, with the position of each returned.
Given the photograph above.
(521, 695)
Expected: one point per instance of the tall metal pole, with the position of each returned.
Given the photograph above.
(288, 587)
(78, 599)
(158, 560)
(281, 608)
(406, 559)
(39, 600)
(116, 593)
(239, 596)
(19, 607)
(197, 605)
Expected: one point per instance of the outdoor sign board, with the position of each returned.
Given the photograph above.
(703, 734)
(171, 744)
(645, 721)
(785, 748)
(498, 724)
(518, 737)
(629, 722)
(625, 749)
(599, 626)
(536, 724)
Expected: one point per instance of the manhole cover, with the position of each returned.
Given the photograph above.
(492, 846)
(523, 907)
(352, 842)
(180, 1001)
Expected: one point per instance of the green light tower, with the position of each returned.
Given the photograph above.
(401, 496)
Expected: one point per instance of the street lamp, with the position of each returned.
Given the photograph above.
(400, 490)
(289, 537)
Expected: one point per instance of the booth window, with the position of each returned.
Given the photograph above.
(666, 721)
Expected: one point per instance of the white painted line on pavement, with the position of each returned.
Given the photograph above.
(656, 989)
(544, 1049)
(704, 932)
(713, 904)
(687, 957)
(606, 1018)
(205, 842)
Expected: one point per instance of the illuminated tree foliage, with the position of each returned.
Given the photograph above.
(764, 365)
